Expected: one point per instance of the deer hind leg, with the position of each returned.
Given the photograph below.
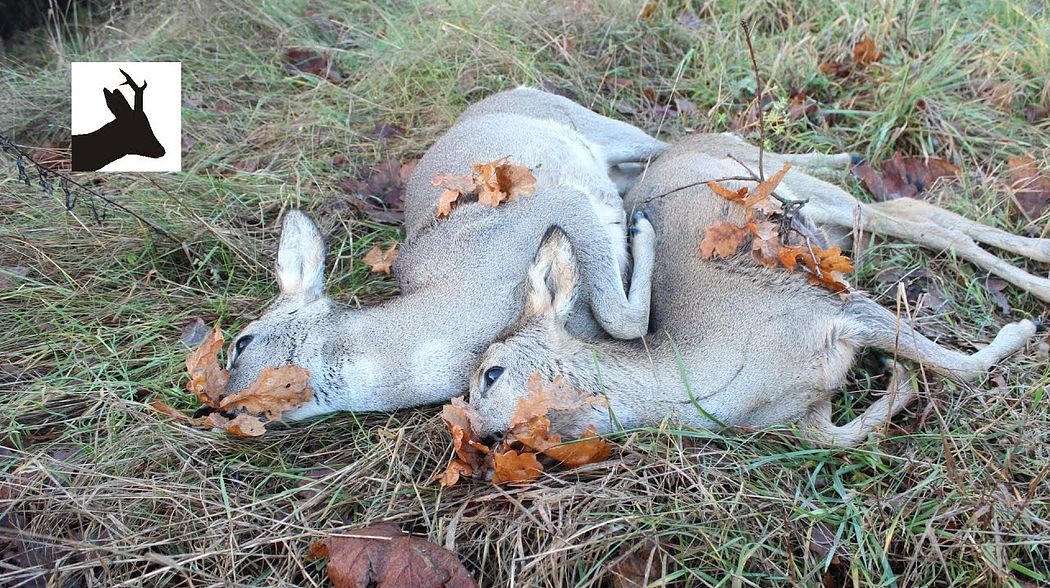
(927, 225)
(818, 427)
(818, 161)
(937, 229)
(877, 327)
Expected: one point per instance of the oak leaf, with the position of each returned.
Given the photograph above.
(454, 187)
(542, 398)
(1031, 187)
(207, 377)
(903, 177)
(723, 240)
(865, 53)
(380, 260)
(590, 448)
(276, 391)
(499, 181)
(718, 188)
(512, 466)
(462, 421)
(637, 566)
(382, 556)
(244, 413)
(765, 189)
(243, 425)
(765, 244)
(494, 182)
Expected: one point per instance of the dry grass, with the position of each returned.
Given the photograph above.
(101, 491)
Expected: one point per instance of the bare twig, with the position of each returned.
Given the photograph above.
(758, 99)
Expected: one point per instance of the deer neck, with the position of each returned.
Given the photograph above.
(414, 350)
(643, 383)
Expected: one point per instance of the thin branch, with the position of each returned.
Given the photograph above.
(758, 99)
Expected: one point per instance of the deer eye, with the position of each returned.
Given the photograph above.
(492, 374)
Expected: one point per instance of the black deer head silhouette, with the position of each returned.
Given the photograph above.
(129, 133)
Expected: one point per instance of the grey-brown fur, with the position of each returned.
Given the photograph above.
(758, 346)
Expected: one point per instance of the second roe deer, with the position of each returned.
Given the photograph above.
(732, 341)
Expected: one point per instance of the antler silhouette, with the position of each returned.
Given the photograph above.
(137, 89)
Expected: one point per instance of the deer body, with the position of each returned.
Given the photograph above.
(460, 276)
(129, 133)
(750, 345)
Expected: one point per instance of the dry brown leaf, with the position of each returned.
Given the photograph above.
(380, 195)
(462, 421)
(511, 466)
(276, 391)
(766, 188)
(648, 9)
(766, 245)
(543, 398)
(590, 449)
(494, 183)
(1031, 187)
(381, 556)
(447, 202)
(514, 459)
(723, 240)
(245, 425)
(207, 377)
(865, 53)
(834, 68)
(903, 177)
(454, 187)
(726, 193)
(380, 260)
(637, 565)
(498, 181)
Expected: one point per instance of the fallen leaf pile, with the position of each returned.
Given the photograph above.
(825, 267)
(380, 260)
(1031, 187)
(381, 556)
(516, 457)
(903, 177)
(864, 53)
(493, 183)
(244, 413)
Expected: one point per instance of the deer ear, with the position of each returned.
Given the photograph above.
(116, 102)
(550, 286)
(300, 257)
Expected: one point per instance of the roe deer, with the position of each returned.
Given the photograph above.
(459, 275)
(129, 133)
(732, 342)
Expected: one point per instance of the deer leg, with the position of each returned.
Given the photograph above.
(912, 226)
(931, 227)
(818, 161)
(923, 212)
(877, 327)
(818, 427)
(622, 313)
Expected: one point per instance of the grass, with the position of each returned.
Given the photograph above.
(99, 490)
